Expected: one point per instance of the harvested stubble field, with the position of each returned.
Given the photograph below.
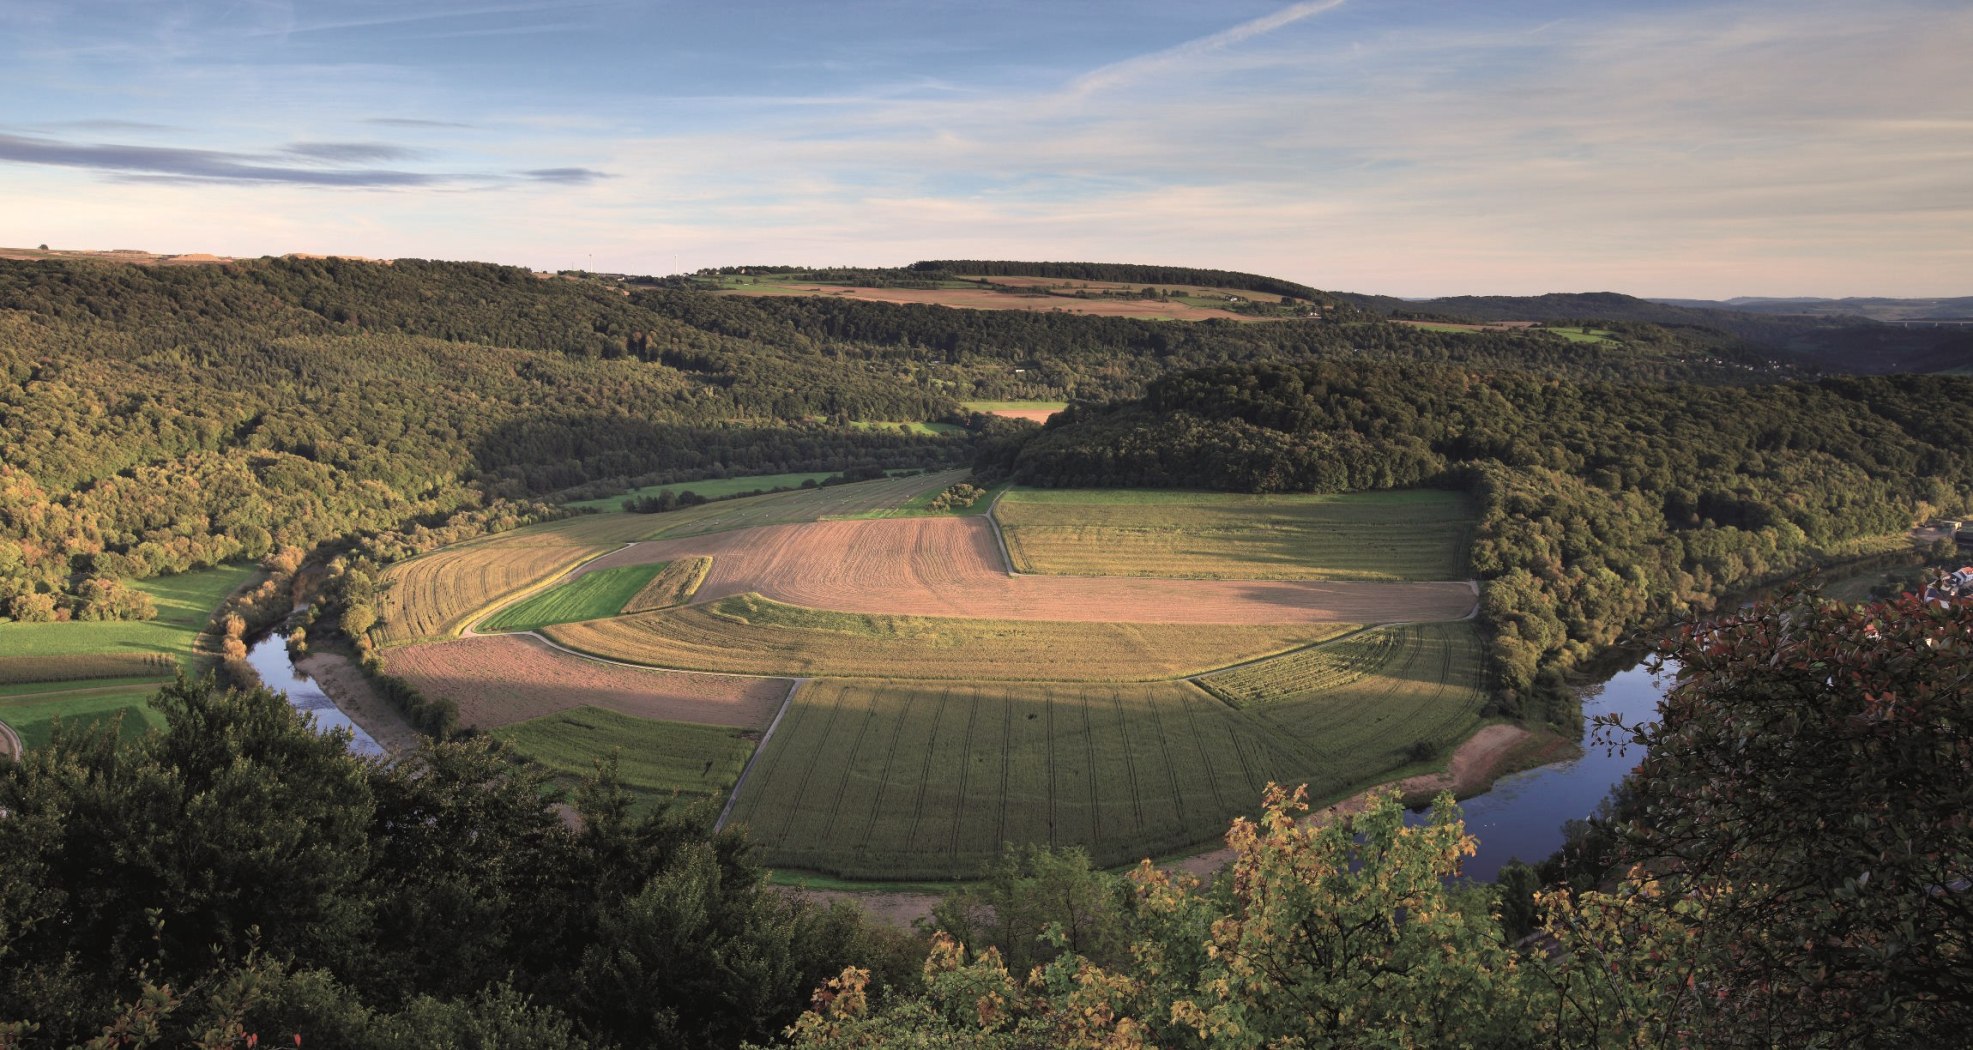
(439, 594)
(657, 761)
(586, 597)
(747, 634)
(1361, 702)
(498, 680)
(952, 567)
(1400, 535)
(676, 585)
(895, 780)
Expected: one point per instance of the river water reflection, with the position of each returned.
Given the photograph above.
(269, 658)
(1522, 816)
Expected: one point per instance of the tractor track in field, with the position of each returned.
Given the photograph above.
(733, 797)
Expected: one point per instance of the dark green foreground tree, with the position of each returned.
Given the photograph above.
(237, 874)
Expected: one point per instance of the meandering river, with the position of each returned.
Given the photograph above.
(270, 661)
(1522, 817)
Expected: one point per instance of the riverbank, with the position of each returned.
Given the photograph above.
(349, 688)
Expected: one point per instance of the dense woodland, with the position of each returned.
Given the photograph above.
(1604, 508)
(160, 419)
(266, 884)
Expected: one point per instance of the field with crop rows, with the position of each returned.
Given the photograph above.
(927, 780)
(589, 596)
(17, 669)
(1401, 535)
(747, 634)
(1362, 702)
(674, 586)
(657, 761)
(436, 595)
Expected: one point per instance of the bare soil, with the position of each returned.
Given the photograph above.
(498, 680)
(346, 685)
(952, 567)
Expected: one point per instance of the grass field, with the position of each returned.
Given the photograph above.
(1411, 534)
(908, 426)
(591, 596)
(658, 761)
(33, 715)
(899, 780)
(711, 488)
(185, 602)
(1582, 335)
(747, 634)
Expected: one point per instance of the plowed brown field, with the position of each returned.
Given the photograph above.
(951, 567)
(498, 680)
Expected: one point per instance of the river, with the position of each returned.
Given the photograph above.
(269, 658)
(1522, 817)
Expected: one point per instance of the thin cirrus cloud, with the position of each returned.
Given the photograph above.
(319, 164)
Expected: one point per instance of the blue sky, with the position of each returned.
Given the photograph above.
(1407, 147)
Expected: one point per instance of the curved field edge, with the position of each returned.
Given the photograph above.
(498, 680)
(438, 594)
(748, 634)
(588, 596)
(886, 780)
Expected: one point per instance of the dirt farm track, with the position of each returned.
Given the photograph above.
(952, 567)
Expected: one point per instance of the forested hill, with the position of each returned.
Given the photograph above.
(157, 419)
(154, 419)
(1830, 343)
(1131, 273)
(1604, 507)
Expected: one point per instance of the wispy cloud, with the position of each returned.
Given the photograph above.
(194, 164)
(414, 122)
(566, 176)
(349, 152)
(1132, 70)
(322, 164)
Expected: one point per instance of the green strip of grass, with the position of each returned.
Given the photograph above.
(656, 760)
(591, 596)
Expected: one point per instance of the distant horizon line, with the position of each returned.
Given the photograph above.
(27, 254)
